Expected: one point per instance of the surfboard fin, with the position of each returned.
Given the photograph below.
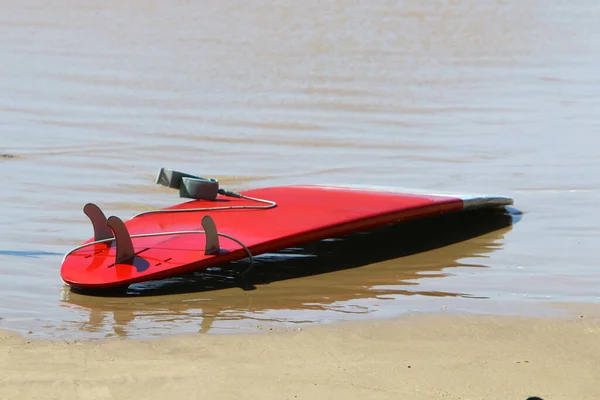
(98, 219)
(212, 237)
(125, 251)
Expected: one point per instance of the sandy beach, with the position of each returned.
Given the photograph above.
(416, 357)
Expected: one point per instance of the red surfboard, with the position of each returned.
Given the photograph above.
(199, 234)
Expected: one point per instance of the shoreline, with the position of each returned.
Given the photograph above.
(425, 356)
(101, 327)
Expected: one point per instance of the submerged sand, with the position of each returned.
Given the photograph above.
(415, 357)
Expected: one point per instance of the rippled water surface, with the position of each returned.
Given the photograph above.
(498, 97)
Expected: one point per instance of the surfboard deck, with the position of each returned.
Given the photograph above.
(303, 214)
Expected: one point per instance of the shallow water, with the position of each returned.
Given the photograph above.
(496, 97)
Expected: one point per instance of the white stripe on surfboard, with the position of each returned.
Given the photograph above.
(470, 200)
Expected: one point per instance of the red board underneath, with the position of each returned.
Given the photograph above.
(303, 214)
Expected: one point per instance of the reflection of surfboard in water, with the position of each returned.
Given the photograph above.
(219, 226)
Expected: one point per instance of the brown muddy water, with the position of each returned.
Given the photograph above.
(498, 97)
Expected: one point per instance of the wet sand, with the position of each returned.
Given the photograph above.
(417, 357)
